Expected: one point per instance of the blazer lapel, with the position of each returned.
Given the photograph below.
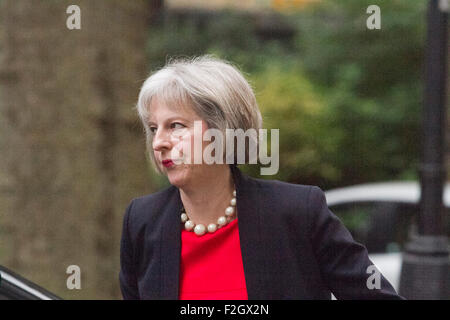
(250, 234)
(171, 247)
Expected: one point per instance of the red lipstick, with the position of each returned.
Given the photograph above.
(167, 163)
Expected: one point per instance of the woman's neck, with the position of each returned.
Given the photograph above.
(207, 200)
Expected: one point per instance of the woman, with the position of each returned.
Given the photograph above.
(217, 233)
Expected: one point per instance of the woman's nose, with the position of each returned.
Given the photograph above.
(161, 140)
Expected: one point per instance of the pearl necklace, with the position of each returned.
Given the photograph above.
(200, 229)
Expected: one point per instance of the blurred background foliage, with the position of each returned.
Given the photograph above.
(346, 99)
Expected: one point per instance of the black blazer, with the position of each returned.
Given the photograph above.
(293, 246)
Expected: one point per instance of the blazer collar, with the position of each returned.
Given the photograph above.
(250, 232)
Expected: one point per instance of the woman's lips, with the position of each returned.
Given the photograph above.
(167, 163)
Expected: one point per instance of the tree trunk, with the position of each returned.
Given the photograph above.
(73, 151)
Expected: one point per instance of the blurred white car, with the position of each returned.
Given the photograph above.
(381, 216)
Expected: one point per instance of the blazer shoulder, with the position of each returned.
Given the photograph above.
(284, 190)
(152, 198)
(146, 207)
(290, 199)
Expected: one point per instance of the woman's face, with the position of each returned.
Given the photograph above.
(173, 133)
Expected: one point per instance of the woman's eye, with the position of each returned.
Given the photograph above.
(177, 125)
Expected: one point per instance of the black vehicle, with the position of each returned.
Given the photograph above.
(15, 287)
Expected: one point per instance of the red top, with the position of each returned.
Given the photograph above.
(211, 265)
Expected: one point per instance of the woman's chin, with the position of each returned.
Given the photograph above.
(176, 179)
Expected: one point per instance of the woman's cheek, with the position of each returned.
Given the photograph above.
(181, 149)
(184, 145)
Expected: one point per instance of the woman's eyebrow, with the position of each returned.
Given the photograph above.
(171, 119)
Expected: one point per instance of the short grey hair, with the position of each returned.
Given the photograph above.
(214, 88)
